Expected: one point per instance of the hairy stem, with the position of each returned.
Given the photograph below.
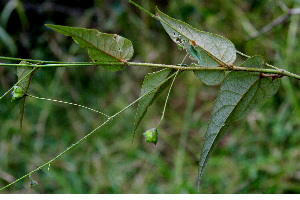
(178, 67)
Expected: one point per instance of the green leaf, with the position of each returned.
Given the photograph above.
(240, 92)
(151, 81)
(208, 77)
(101, 46)
(214, 50)
(24, 85)
(210, 50)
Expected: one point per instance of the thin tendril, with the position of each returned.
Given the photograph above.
(85, 137)
(73, 104)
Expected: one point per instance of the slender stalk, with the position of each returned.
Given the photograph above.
(242, 54)
(273, 67)
(178, 67)
(65, 102)
(234, 68)
(28, 60)
(163, 114)
(67, 64)
(38, 61)
(143, 9)
(86, 136)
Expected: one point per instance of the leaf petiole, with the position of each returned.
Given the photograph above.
(163, 114)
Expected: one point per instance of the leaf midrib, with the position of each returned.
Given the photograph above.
(226, 121)
(72, 35)
(202, 48)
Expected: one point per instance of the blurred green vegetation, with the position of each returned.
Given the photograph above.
(260, 154)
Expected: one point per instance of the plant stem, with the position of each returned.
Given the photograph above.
(63, 64)
(242, 54)
(177, 67)
(64, 102)
(163, 114)
(86, 136)
(143, 9)
(29, 60)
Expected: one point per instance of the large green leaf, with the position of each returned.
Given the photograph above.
(24, 85)
(213, 49)
(151, 81)
(210, 50)
(101, 46)
(240, 92)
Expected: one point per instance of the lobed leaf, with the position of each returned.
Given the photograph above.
(240, 92)
(101, 46)
(24, 85)
(151, 81)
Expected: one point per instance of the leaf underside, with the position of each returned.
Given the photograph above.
(240, 92)
(151, 81)
(210, 50)
(102, 47)
(24, 85)
(208, 77)
(210, 46)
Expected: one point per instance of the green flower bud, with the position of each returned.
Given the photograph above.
(17, 93)
(151, 136)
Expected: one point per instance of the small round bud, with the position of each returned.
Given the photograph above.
(151, 136)
(17, 93)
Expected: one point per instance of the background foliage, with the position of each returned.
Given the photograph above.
(261, 154)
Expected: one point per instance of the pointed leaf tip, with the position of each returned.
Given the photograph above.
(213, 49)
(240, 92)
(102, 47)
